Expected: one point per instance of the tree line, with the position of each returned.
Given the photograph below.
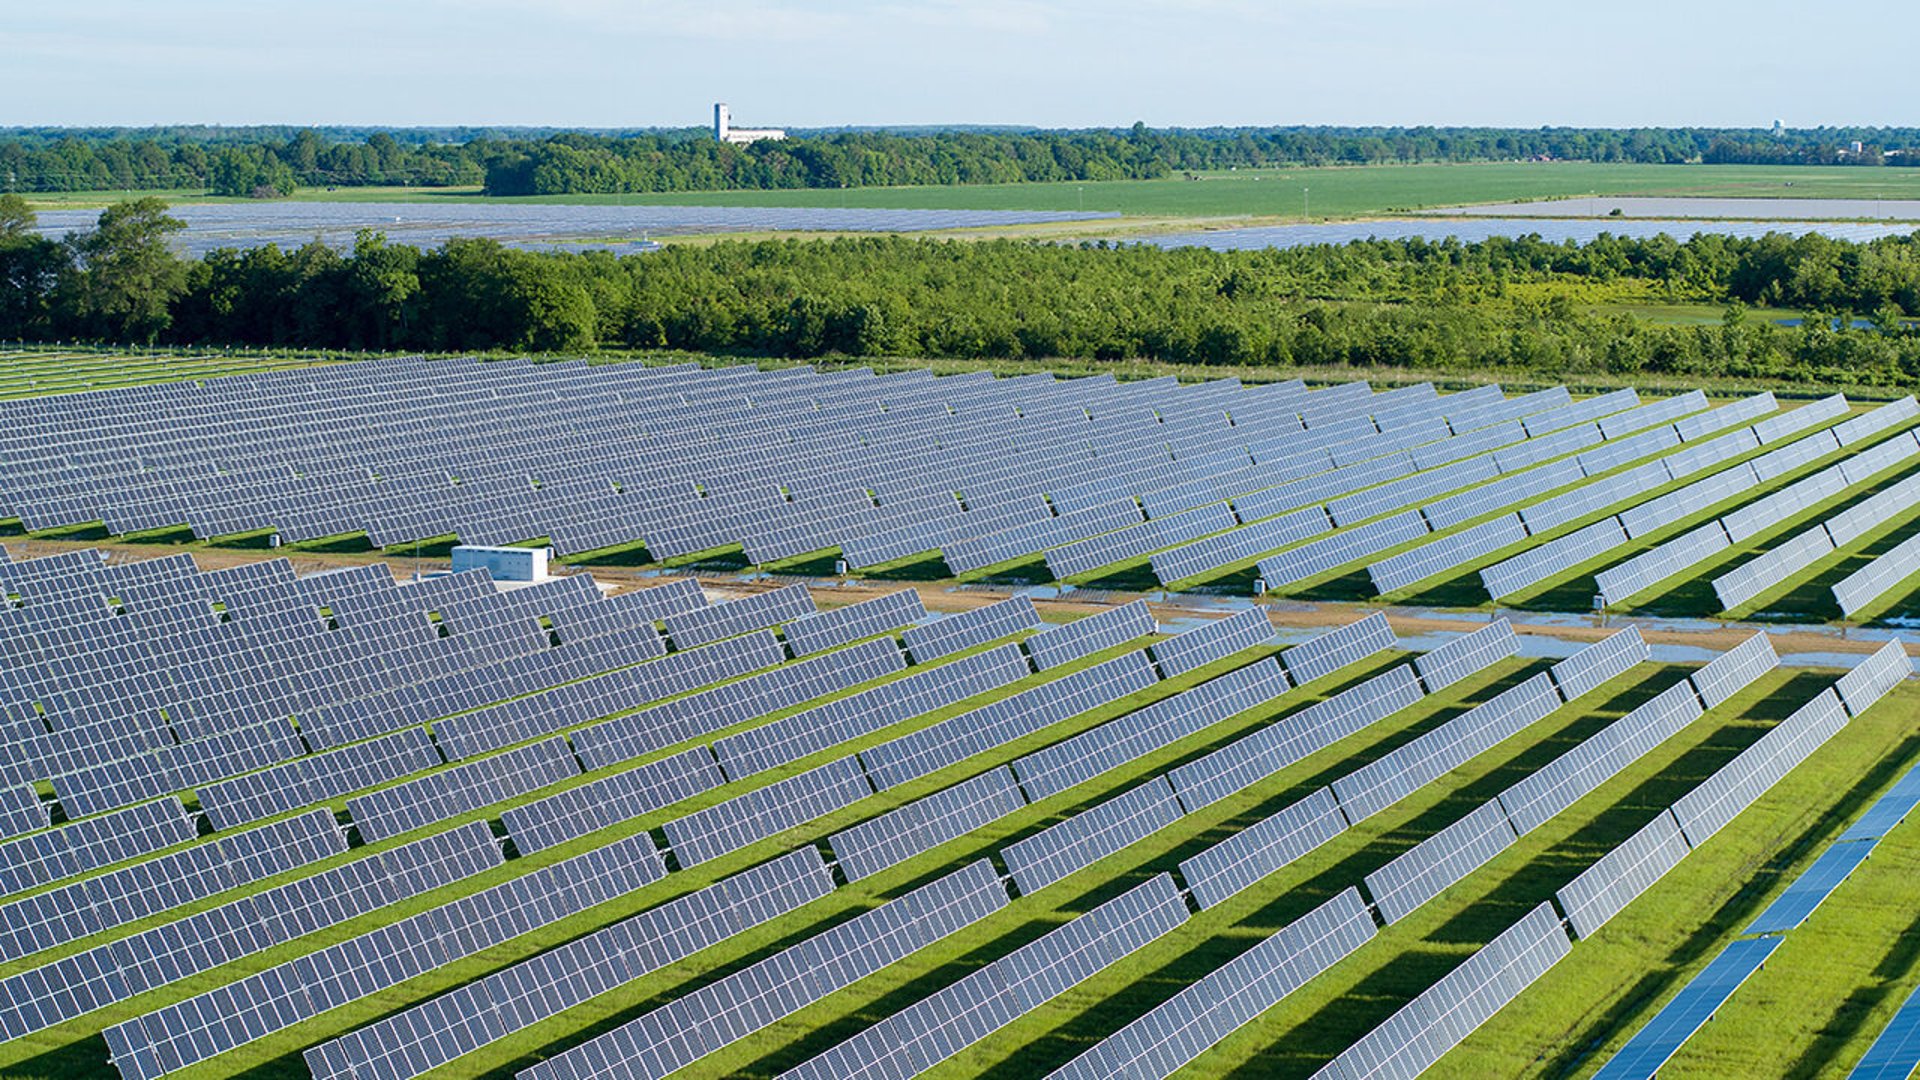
(1516, 305)
(270, 161)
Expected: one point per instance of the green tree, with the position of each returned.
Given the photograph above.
(124, 278)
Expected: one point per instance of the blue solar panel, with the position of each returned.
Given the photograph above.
(1896, 1053)
(1887, 811)
(1812, 886)
(1696, 1003)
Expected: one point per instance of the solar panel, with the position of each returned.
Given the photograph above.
(1657, 564)
(954, 633)
(1776, 565)
(1466, 655)
(1877, 509)
(1423, 871)
(1335, 649)
(926, 689)
(1853, 430)
(1190, 650)
(760, 813)
(1869, 680)
(1552, 558)
(1214, 552)
(690, 1027)
(1266, 750)
(1862, 588)
(1423, 1030)
(1685, 502)
(1674, 1024)
(957, 738)
(1608, 658)
(442, 1029)
(1895, 1052)
(1090, 634)
(702, 625)
(1720, 798)
(1262, 848)
(1402, 771)
(1090, 835)
(935, 1028)
(1792, 907)
(1618, 877)
(1320, 556)
(898, 835)
(1535, 799)
(1445, 553)
(1733, 670)
(1110, 745)
(1215, 1005)
(1888, 810)
(1801, 418)
(824, 630)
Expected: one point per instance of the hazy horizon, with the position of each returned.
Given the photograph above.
(1055, 64)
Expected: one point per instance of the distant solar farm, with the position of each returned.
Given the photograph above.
(333, 824)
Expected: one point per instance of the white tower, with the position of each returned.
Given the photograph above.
(722, 120)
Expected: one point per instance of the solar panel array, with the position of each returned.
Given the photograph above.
(76, 984)
(441, 1029)
(189, 1032)
(1895, 1053)
(1870, 680)
(1118, 741)
(1262, 848)
(1424, 1029)
(694, 1025)
(1248, 628)
(1725, 675)
(1861, 589)
(1616, 878)
(936, 1027)
(957, 738)
(1320, 556)
(1212, 553)
(1213, 1006)
(1445, 553)
(1091, 634)
(1659, 563)
(967, 629)
(1267, 750)
(1552, 558)
(1398, 773)
(1708, 808)
(1090, 835)
(91, 905)
(1464, 655)
(924, 824)
(1610, 657)
(1423, 871)
(1827, 873)
(824, 630)
(925, 690)
(1335, 649)
(1533, 799)
(762, 812)
(1651, 1046)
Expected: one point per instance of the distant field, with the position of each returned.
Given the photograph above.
(1267, 193)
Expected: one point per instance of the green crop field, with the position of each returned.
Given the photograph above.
(1273, 193)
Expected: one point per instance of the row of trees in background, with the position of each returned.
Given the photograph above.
(273, 160)
(1500, 305)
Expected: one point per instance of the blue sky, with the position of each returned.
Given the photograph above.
(1066, 63)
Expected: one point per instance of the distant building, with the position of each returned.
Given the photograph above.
(504, 563)
(724, 131)
(1855, 148)
(1779, 130)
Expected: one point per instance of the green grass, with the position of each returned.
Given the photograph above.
(1332, 192)
(1821, 998)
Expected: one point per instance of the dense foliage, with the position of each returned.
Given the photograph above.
(1514, 305)
(249, 161)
